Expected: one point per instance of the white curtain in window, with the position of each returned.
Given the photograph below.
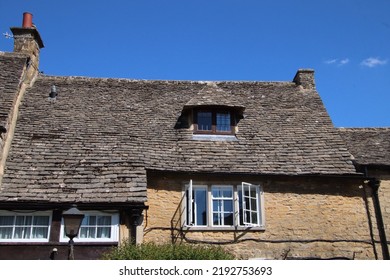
(96, 227)
(6, 226)
(40, 227)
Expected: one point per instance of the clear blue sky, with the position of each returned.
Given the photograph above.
(346, 42)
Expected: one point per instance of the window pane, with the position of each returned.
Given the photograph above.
(253, 204)
(92, 220)
(247, 203)
(247, 216)
(240, 208)
(200, 207)
(254, 218)
(22, 232)
(103, 232)
(6, 220)
(40, 232)
(222, 192)
(83, 233)
(204, 120)
(227, 192)
(20, 220)
(228, 219)
(104, 220)
(87, 232)
(223, 121)
(6, 233)
(228, 206)
(217, 221)
(41, 220)
(253, 192)
(216, 192)
(217, 205)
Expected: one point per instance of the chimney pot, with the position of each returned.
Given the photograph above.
(27, 20)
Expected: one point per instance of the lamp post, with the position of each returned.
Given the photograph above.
(72, 222)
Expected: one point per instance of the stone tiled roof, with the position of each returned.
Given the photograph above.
(95, 141)
(212, 95)
(11, 68)
(369, 146)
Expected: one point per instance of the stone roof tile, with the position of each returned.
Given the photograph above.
(369, 146)
(103, 134)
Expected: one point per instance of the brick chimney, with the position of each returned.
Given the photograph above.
(27, 40)
(305, 78)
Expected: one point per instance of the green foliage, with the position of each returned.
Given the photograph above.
(151, 251)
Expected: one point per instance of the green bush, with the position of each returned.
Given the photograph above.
(151, 251)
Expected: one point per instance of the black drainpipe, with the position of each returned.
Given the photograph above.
(374, 184)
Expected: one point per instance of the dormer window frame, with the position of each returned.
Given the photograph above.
(216, 118)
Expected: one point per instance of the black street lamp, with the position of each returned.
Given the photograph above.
(72, 222)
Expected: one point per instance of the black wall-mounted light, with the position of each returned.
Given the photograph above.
(72, 222)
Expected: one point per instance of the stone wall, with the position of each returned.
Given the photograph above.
(384, 200)
(305, 218)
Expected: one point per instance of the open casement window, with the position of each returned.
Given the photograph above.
(24, 227)
(196, 205)
(97, 226)
(249, 201)
(214, 121)
(215, 206)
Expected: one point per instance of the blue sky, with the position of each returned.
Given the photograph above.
(346, 42)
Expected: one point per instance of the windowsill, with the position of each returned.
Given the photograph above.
(31, 241)
(89, 241)
(240, 228)
(214, 137)
(93, 243)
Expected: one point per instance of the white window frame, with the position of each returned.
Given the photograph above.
(212, 212)
(114, 234)
(259, 198)
(24, 214)
(260, 211)
(191, 207)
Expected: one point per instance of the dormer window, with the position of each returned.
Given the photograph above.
(214, 121)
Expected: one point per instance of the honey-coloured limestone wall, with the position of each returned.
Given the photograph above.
(306, 217)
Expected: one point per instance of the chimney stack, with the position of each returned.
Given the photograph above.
(27, 40)
(305, 78)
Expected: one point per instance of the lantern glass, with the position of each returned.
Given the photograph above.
(72, 222)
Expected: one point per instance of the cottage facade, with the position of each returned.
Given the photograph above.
(257, 167)
(371, 150)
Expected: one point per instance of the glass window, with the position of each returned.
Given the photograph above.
(249, 205)
(223, 205)
(205, 120)
(222, 200)
(200, 206)
(223, 122)
(96, 227)
(24, 227)
(213, 121)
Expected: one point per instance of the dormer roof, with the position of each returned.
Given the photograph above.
(212, 95)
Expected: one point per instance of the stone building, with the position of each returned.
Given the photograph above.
(256, 167)
(371, 150)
